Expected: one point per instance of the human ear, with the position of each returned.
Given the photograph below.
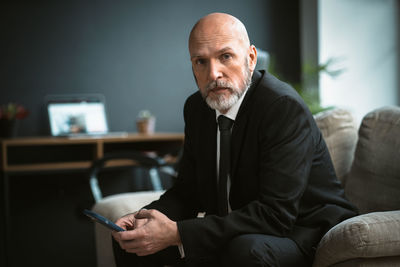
(252, 57)
(194, 75)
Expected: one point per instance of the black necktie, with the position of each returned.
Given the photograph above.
(224, 125)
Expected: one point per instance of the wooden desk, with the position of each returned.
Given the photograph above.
(29, 155)
(61, 153)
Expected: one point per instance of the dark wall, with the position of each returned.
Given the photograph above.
(398, 49)
(133, 52)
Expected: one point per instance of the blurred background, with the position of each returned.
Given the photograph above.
(135, 53)
(342, 53)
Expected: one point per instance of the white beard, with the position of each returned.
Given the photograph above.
(223, 102)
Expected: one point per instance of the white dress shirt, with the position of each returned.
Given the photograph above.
(231, 114)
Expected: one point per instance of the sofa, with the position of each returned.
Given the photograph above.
(366, 160)
(373, 184)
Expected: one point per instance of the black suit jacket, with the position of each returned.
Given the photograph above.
(282, 179)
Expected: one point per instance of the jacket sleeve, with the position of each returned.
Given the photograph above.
(286, 147)
(179, 202)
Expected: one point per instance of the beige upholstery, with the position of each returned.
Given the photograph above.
(340, 133)
(113, 207)
(373, 184)
(367, 236)
(370, 262)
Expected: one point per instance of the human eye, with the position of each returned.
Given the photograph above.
(226, 56)
(199, 61)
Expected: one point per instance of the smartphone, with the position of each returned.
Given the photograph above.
(104, 221)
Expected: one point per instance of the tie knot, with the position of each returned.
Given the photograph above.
(224, 123)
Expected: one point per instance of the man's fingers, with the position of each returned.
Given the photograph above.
(126, 222)
(140, 252)
(130, 244)
(126, 236)
(116, 235)
(144, 214)
(139, 247)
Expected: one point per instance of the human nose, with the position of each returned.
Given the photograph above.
(214, 71)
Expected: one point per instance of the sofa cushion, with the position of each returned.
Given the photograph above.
(370, 235)
(393, 261)
(340, 133)
(373, 183)
(115, 206)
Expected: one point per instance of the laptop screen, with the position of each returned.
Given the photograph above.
(77, 116)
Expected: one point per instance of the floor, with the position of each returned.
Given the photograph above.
(47, 228)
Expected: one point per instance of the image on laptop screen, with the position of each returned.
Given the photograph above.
(80, 115)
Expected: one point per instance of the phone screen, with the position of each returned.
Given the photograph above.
(104, 221)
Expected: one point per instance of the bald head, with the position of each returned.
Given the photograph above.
(222, 59)
(219, 24)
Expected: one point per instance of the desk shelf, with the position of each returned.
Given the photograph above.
(51, 153)
(48, 166)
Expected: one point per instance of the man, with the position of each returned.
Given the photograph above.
(281, 193)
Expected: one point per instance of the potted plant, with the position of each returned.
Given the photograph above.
(145, 122)
(310, 95)
(9, 114)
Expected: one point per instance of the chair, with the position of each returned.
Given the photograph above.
(339, 130)
(151, 164)
(373, 185)
(116, 205)
(366, 160)
(263, 60)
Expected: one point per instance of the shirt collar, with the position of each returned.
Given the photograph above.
(233, 111)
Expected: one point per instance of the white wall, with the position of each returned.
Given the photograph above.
(363, 34)
(309, 41)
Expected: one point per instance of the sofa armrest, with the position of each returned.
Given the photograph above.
(113, 207)
(371, 235)
(339, 130)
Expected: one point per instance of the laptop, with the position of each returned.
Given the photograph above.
(78, 116)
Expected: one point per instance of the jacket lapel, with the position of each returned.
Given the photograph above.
(239, 128)
(209, 156)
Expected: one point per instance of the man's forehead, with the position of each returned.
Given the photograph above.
(210, 46)
(209, 31)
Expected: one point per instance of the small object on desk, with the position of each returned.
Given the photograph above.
(146, 122)
(8, 128)
(9, 115)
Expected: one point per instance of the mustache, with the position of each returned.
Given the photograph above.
(219, 83)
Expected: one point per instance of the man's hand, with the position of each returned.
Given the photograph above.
(129, 222)
(149, 231)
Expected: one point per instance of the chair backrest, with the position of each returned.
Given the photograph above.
(339, 130)
(262, 60)
(373, 183)
(152, 164)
